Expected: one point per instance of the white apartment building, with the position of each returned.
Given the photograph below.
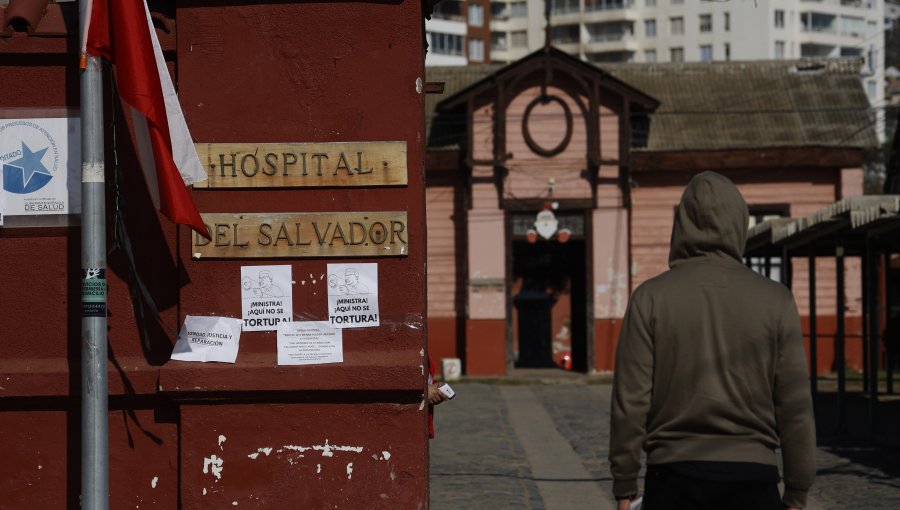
(446, 34)
(601, 31)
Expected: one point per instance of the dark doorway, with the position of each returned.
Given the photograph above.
(549, 307)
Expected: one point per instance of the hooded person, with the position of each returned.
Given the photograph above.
(710, 374)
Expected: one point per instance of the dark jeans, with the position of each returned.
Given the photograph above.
(666, 490)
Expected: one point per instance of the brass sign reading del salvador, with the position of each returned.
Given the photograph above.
(302, 235)
(303, 165)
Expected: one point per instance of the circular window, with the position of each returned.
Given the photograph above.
(526, 131)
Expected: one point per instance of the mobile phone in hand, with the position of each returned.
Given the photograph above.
(447, 391)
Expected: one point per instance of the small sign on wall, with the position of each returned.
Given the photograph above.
(353, 295)
(309, 343)
(320, 235)
(208, 339)
(41, 164)
(266, 297)
(303, 165)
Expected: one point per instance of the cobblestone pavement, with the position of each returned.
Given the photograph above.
(478, 462)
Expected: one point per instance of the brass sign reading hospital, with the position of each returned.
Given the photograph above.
(278, 235)
(303, 165)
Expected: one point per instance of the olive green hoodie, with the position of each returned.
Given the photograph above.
(710, 363)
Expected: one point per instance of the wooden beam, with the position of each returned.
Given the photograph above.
(694, 161)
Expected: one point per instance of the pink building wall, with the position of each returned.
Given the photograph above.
(802, 190)
(530, 173)
(442, 250)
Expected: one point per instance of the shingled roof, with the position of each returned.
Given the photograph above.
(716, 106)
(446, 132)
(750, 105)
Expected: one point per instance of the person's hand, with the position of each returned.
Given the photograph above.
(623, 504)
(435, 397)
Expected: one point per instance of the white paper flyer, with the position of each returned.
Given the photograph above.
(266, 297)
(353, 295)
(208, 339)
(309, 343)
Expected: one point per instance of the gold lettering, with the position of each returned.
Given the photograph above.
(200, 240)
(378, 236)
(307, 243)
(395, 232)
(293, 161)
(283, 234)
(222, 165)
(321, 236)
(271, 160)
(221, 234)
(359, 165)
(353, 225)
(342, 165)
(318, 157)
(244, 165)
(235, 237)
(334, 234)
(266, 230)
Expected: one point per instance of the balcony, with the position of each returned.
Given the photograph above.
(565, 34)
(611, 36)
(450, 10)
(610, 57)
(607, 5)
(817, 50)
(818, 23)
(857, 4)
(562, 7)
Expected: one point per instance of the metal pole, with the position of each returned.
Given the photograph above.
(94, 390)
(866, 310)
(839, 339)
(787, 269)
(813, 338)
(872, 273)
(889, 318)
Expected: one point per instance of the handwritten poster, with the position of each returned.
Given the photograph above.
(353, 295)
(266, 297)
(309, 343)
(208, 339)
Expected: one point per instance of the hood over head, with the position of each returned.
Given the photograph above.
(712, 220)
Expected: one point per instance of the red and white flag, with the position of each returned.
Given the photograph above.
(123, 33)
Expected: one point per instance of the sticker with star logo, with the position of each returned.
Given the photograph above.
(37, 156)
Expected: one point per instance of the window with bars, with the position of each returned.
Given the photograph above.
(446, 44)
(476, 15)
(476, 50)
(706, 23)
(518, 9)
(774, 266)
(518, 39)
